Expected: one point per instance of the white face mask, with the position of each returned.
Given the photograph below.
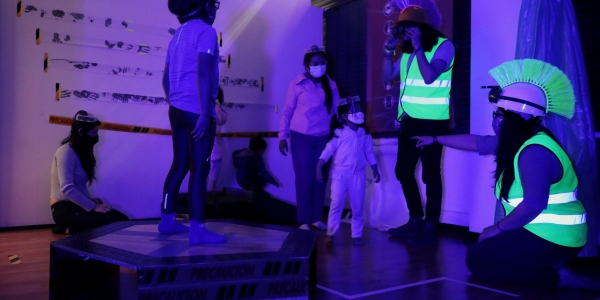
(317, 71)
(356, 118)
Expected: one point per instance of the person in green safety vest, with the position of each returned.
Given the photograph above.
(545, 224)
(425, 72)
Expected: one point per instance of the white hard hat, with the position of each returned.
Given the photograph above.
(524, 98)
(532, 87)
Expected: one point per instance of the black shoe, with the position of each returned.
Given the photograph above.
(408, 229)
(59, 229)
(426, 236)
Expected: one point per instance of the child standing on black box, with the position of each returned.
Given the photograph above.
(351, 146)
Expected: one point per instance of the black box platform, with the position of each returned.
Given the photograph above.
(258, 262)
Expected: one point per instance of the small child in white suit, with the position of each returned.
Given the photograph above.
(351, 147)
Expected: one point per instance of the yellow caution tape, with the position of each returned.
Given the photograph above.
(57, 92)
(14, 260)
(46, 61)
(19, 8)
(112, 126)
(60, 120)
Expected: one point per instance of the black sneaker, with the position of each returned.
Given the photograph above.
(408, 229)
(426, 236)
(59, 229)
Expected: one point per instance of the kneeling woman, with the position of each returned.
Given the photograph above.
(545, 224)
(73, 168)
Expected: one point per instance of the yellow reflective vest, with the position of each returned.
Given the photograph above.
(420, 100)
(563, 222)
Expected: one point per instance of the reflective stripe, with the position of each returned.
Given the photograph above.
(559, 219)
(421, 82)
(553, 199)
(425, 100)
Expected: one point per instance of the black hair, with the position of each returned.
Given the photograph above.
(220, 97)
(514, 132)
(429, 35)
(79, 143)
(324, 79)
(337, 124)
(257, 143)
(182, 9)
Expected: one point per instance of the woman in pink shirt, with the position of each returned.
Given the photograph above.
(309, 105)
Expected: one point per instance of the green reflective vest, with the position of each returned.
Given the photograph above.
(563, 222)
(420, 100)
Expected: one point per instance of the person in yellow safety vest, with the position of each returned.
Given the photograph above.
(545, 224)
(425, 72)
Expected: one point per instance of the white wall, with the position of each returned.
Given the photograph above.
(494, 25)
(265, 38)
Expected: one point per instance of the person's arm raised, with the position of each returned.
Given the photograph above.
(390, 70)
(429, 70)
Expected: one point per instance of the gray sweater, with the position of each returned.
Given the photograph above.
(68, 180)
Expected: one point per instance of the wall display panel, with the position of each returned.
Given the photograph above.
(89, 66)
(104, 96)
(81, 17)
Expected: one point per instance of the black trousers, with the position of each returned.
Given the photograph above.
(188, 155)
(518, 257)
(68, 215)
(406, 162)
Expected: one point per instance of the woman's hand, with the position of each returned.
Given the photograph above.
(415, 36)
(201, 128)
(283, 147)
(489, 232)
(376, 176)
(319, 174)
(423, 141)
(102, 208)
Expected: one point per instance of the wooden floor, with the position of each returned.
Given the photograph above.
(381, 269)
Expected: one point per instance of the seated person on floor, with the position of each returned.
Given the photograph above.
(251, 173)
(73, 168)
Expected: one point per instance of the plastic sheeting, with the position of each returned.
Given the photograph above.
(548, 31)
(385, 206)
